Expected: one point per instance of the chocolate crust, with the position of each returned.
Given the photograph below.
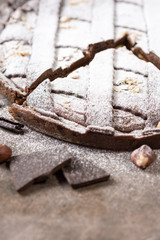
(6, 91)
(12, 94)
(81, 135)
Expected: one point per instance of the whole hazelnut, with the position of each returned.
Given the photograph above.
(5, 153)
(142, 157)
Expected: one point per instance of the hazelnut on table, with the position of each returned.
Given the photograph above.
(142, 157)
(5, 153)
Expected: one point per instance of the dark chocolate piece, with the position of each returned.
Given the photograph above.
(27, 168)
(11, 126)
(82, 173)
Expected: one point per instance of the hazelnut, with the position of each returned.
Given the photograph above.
(142, 157)
(5, 153)
(158, 125)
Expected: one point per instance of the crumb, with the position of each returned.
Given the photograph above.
(30, 27)
(60, 58)
(68, 58)
(66, 102)
(23, 19)
(134, 107)
(72, 3)
(64, 19)
(65, 27)
(75, 77)
(23, 54)
(140, 56)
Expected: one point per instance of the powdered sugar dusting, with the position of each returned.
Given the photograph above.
(118, 164)
(41, 97)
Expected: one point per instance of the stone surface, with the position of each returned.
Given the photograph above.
(125, 207)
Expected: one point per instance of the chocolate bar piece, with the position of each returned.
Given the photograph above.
(82, 173)
(29, 167)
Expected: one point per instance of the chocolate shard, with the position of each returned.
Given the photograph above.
(82, 173)
(28, 168)
(11, 126)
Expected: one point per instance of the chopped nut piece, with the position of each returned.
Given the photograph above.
(17, 49)
(140, 56)
(30, 27)
(11, 20)
(134, 89)
(23, 54)
(142, 157)
(75, 77)
(119, 46)
(115, 90)
(23, 19)
(68, 58)
(132, 85)
(64, 19)
(66, 102)
(158, 125)
(77, 2)
(134, 107)
(65, 27)
(60, 58)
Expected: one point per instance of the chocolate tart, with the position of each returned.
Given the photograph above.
(104, 94)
